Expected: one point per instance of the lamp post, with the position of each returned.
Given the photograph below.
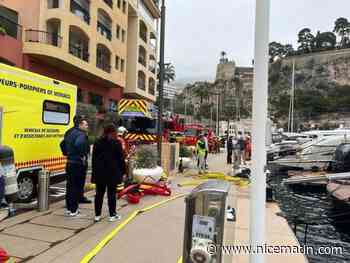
(258, 186)
(161, 81)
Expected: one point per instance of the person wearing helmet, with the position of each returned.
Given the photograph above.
(121, 138)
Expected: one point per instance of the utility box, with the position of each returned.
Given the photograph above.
(209, 223)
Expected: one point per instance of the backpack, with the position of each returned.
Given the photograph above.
(63, 144)
(63, 148)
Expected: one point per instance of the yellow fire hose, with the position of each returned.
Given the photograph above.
(242, 182)
(111, 235)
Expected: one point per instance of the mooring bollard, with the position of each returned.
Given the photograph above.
(43, 197)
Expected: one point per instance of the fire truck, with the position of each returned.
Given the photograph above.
(192, 131)
(137, 117)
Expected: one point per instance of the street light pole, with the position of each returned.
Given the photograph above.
(260, 95)
(161, 81)
(217, 114)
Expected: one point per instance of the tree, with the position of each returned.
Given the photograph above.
(279, 50)
(342, 28)
(169, 73)
(288, 50)
(275, 50)
(324, 41)
(201, 90)
(305, 39)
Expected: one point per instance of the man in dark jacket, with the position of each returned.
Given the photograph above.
(229, 150)
(77, 149)
(108, 169)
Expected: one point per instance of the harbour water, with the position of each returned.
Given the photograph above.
(317, 219)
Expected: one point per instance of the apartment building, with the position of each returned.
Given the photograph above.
(84, 42)
(142, 41)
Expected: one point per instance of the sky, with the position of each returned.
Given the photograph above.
(198, 30)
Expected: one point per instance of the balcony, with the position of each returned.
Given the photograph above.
(151, 86)
(142, 56)
(103, 60)
(104, 24)
(81, 9)
(78, 43)
(143, 31)
(43, 37)
(141, 81)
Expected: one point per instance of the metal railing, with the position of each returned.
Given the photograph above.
(11, 28)
(44, 37)
(79, 52)
(104, 65)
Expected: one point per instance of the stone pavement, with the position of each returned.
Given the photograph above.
(155, 236)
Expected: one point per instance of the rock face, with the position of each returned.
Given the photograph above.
(322, 85)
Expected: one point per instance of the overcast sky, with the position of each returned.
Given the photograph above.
(198, 30)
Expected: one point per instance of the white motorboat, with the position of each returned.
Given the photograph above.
(314, 155)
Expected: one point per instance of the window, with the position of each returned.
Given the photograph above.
(117, 60)
(104, 24)
(123, 35)
(124, 6)
(80, 95)
(81, 8)
(141, 81)
(118, 32)
(119, 3)
(56, 113)
(122, 65)
(112, 106)
(9, 21)
(96, 100)
(53, 4)
(109, 3)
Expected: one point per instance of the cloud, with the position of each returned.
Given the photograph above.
(198, 30)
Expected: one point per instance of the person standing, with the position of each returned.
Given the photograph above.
(200, 151)
(76, 147)
(248, 148)
(108, 169)
(240, 148)
(229, 150)
(205, 138)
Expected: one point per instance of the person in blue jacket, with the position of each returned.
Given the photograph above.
(76, 147)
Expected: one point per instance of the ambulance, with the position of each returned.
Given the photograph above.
(35, 113)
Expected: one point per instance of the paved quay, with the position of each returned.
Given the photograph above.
(151, 237)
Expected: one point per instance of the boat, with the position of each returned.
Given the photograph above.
(316, 155)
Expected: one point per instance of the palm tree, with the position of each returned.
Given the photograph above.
(342, 28)
(169, 73)
(201, 91)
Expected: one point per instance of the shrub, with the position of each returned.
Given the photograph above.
(146, 157)
(185, 151)
(2, 31)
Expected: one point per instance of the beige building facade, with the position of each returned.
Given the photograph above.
(86, 43)
(142, 47)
